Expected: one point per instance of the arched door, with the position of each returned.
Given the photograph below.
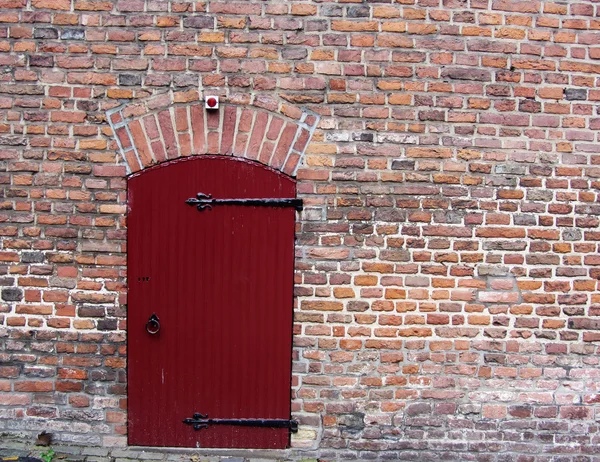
(210, 274)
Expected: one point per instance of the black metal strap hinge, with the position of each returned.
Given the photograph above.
(200, 421)
(205, 201)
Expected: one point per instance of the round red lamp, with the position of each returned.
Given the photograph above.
(211, 102)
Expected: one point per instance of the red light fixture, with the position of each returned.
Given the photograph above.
(211, 102)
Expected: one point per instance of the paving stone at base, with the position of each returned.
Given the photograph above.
(102, 452)
(9, 453)
(144, 455)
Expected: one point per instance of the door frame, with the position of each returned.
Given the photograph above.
(293, 297)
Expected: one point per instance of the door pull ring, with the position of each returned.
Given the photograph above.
(153, 325)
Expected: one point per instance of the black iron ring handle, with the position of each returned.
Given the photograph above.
(153, 324)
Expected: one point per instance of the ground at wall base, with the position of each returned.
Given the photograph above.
(64, 453)
(72, 453)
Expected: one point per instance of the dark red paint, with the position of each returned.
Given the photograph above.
(221, 284)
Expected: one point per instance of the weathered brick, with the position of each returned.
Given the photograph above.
(446, 256)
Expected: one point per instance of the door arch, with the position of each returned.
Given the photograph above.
(218, 279)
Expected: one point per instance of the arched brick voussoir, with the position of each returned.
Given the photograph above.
(147, 136)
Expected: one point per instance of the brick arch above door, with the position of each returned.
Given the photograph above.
(176, 125)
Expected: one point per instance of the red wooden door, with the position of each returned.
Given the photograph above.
(220, 282)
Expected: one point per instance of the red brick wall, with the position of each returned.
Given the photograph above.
(447, 256)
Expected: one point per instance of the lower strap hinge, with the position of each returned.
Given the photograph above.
(200, 421)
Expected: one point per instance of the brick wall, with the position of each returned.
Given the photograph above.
(448, 303)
